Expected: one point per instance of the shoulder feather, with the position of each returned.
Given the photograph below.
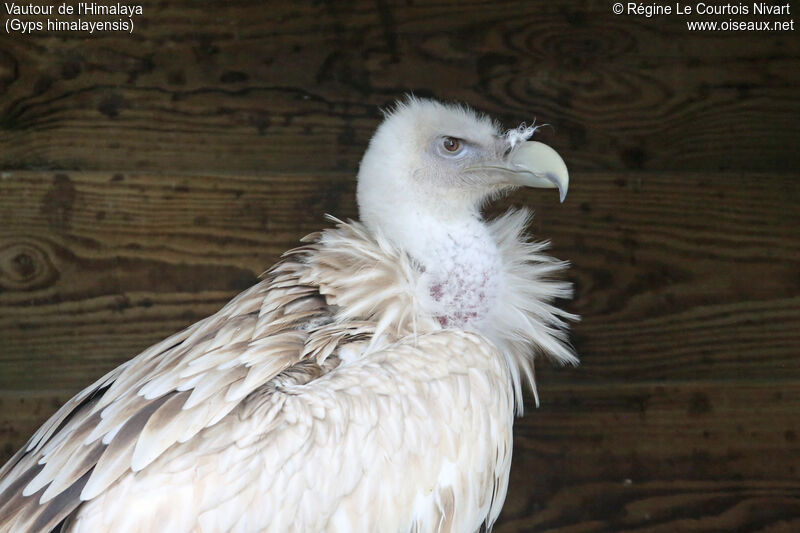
(173, 390)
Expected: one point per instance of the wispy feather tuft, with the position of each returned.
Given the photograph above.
(521, 133)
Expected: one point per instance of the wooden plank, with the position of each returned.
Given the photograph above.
(664, 507)
(227, 88)
(677, 276)
(642, 457)
(190, 154)
(650, 457)
(682, 276)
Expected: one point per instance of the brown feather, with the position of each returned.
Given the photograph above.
(80, 463)
(116, 458)
(47, 516)
(160, 432)
(12, 500)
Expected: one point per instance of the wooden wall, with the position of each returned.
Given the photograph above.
(147, 178)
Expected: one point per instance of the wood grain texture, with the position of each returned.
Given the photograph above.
(146, 179)
(663, 457)
(242, 87)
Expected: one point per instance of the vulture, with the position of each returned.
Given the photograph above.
(368, 382)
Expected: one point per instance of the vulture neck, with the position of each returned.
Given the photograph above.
(460, 264)
(429, 274)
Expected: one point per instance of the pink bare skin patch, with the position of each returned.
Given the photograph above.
(465, 291)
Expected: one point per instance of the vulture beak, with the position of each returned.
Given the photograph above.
(533, 164)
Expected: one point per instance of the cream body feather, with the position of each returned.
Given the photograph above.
(361, 386)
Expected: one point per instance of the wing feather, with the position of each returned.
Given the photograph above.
(164, 396)
(68, 410)
(159, 432)
(46, 517)
(11, 506)
(79, 464)
(118, 413)
(59, 459)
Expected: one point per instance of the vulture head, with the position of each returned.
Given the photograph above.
(431, 164)
(427, 172)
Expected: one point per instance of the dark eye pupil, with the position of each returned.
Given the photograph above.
(450, 144)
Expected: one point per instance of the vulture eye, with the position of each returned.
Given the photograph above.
(451, 144)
